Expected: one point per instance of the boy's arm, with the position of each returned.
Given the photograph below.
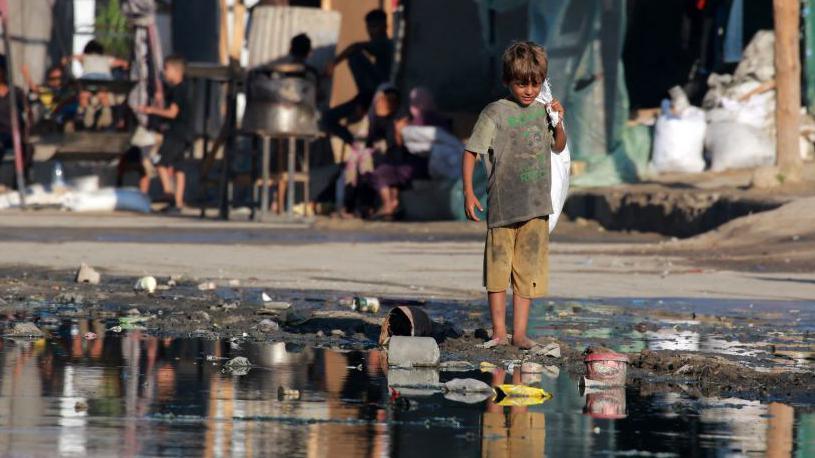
(470, 200)
(170, 112)
(560, 132)
(119, 63)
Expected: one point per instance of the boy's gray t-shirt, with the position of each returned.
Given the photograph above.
(515, 143)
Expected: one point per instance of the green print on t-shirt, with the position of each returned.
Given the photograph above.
(523, 119)
(535, 172)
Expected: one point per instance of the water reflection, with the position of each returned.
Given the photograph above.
(135, 394)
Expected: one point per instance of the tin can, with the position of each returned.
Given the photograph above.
(288, 394)
(366, 304)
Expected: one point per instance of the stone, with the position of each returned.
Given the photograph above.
(147, 284)
(206, 286)
(268, 325)
(87, 274)
(200, 315)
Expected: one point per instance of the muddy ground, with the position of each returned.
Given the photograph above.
(761, 363)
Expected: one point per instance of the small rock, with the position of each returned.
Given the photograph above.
(200, 315)
(87, 274)
(80, 406)
(337, 333)
(320, 334)
(206, 286)
(268, 325)
(146, 284)
(229, 305)
(25, 329)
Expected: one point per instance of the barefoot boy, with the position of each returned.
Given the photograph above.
(515, 138)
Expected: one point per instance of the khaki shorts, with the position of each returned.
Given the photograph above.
(519, 252)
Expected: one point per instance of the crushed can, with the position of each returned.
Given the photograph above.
(365, 304)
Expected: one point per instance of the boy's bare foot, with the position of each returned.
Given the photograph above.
(523, 342)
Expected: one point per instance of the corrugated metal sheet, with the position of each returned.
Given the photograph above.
(30, 27)
(272, 28)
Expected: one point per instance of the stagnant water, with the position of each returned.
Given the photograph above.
(138, 395)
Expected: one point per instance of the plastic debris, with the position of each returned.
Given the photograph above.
(520, 395)
(206, 286)
(90, 335)
(469, 391)
(146, 284)
(25, 329)
(413, 351)
(116, 329)
(288, 394)
(268, 325)
(238, 365)
(529, 367)
(550, 349)
(456, 366)
(487, 367)
(365, 304)
(87, 274)
(607, 368)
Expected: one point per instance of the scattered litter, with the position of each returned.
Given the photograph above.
(288, 394)
(24, 329)
(207, 286)
(364, 304)
(456, 366)
(608, 368)
(200, 315)
(551, 350)
(133, 312)
(520, 395)
(146, 284)
(80, 406)
(90, 335)
(87, 274)
(238, 365)
(116, 329)
(531, 368)
(405, 321)
(413, 351)
(469, 391)
(267, 325)
(234, 283)
(337, 333)
(358, 367)
(487, 367)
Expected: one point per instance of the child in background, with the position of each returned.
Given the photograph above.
(95, 111)
(179, 133)
(514, 137)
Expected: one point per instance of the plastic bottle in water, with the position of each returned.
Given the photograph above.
(58, 178)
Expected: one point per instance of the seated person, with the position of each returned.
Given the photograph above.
(394, 167)
(95, 111)
(53, 99)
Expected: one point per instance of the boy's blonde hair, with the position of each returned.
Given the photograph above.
(526, 62)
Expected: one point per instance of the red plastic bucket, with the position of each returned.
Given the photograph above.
(607, 368)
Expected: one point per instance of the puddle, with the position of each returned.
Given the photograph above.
(134, 394)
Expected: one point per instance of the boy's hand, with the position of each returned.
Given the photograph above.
(470, 204)
(557, 106)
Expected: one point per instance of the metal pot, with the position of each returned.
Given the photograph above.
(281, 101)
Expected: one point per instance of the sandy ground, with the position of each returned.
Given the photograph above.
(433, 260)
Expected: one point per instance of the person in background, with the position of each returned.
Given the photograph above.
(52, 98)
(370, 62)
(179, 133)
(95, 111)
(6, 134)
(423, 110)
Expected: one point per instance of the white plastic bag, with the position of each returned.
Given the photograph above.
(679, 142)
(560, 162)
(108, 199)
(734, 145)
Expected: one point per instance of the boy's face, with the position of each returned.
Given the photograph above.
(173, 74)
(525, 91)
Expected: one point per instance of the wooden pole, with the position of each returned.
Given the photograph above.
(19, 166)
(788, 84)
